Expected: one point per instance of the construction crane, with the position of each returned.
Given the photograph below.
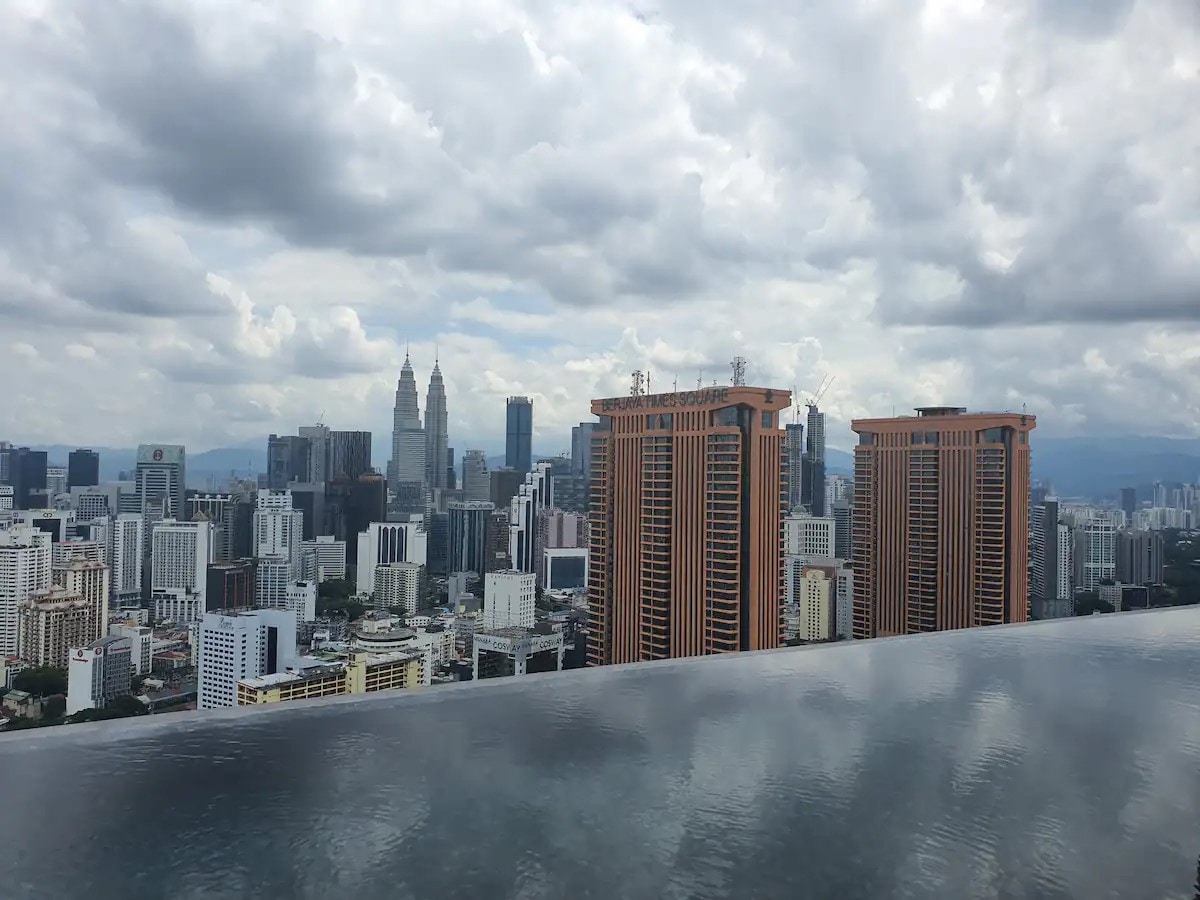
(824, 386)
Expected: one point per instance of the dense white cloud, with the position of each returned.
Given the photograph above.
(227, 219)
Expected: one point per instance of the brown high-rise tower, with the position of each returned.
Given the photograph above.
(941, 521)
(686, 524)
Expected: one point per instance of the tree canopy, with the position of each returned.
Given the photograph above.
(41, 681)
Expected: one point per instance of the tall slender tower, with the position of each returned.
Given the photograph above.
(406, 471)
(941, 521)
(435, 430)
(814, 462)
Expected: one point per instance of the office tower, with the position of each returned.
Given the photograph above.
(382, 543)
(288, 459)
(160, 477)
(229, 585)
(398, 584)
(516, 651)
(319, 451)
(941, 521)
(436, 458)
(25, 470)
(1095, 552)
(843, 548)
(7, 501)
(308, 498)
(504, 484)
(406, 471)
(1050, 595)
(437, 560)
(180, 553)
(581, 449)
(468, 521)
(518, 445)
(89, 580)
(25, 569)
(350, 506)
(1039, 492)
(1139, 557)
(51, 622)
(793, 446)
(220, 510)
(498, 558)
(813, 466)
(569, 492)
(810, 590)
(838, 489)
(451, 474)
(687, 524)
(476, 485)
(562, 528)
(89, 505)
(524, 517)
(128, 539)
(236, 647)
(56, 482)
(1129, 503)
(278, 529)
(508, 599)
(141, 639)
(350, 454)
(328, 556)
(810, 536)
(99, 673)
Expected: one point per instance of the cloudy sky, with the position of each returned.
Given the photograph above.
(220, 219)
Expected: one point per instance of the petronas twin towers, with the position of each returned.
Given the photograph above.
(420, 457)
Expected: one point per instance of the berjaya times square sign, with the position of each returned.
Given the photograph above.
(680, 398)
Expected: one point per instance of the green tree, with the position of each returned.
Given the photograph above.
(41, 681)
(54, 707)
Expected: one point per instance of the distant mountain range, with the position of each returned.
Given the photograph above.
(1076, 467)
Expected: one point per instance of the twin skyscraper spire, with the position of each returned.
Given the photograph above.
(420, 455)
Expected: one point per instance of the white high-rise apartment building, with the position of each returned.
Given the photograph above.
(63, 553)
(388, 542)
(25, 556)
(278, 528)
(233, 648)
(272, 577)
(6, 496)
(127, 542)
(397, 584)
(141, 639)
(526, 509)
(301, 601)
(177, 605)
(328, 555)
(809, 536)
(179, 556)
(1066, 562)
(508, 599)
(1095, 553)
(56, 481)
(159, 480)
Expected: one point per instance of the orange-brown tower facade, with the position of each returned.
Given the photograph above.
(940, 526)
(688, 499)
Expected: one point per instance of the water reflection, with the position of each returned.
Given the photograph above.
(1054, 760)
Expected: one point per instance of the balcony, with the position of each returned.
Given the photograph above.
(1053, 759)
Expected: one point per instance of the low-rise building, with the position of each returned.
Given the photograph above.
(516, 651)
(356, 672)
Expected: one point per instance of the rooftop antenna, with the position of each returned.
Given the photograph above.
(648, 391)
(739, 371)
(699, 378)
(637, 381)
(675, 383)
